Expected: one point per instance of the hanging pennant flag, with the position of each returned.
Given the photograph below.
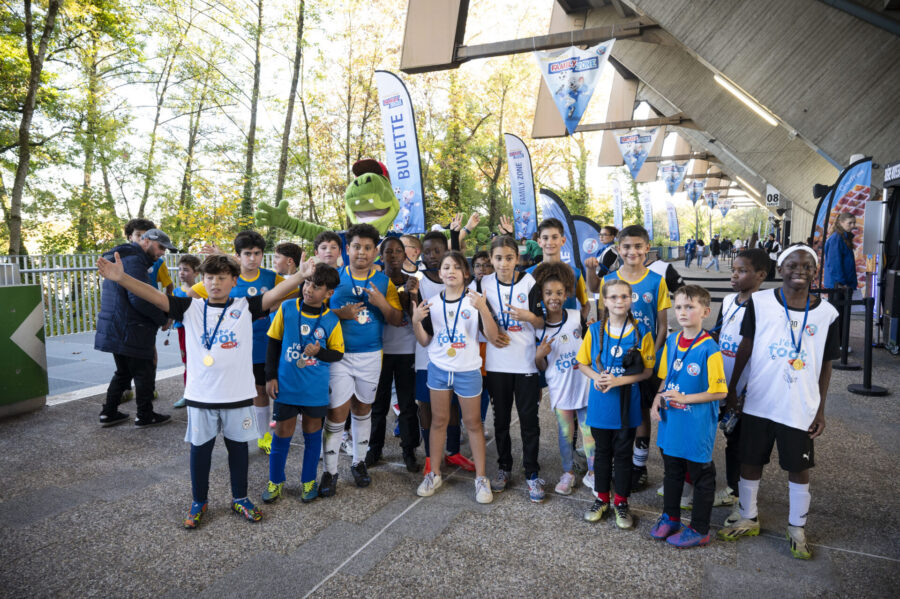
(672, 174)
(617, 203)
(647, 208)
(587, 238)
(711, 198)
(694, 190)
(553, 207)
(635, 147)
(521, 186)
(724, 205)
(401, 146)
(571, 75)
(674, 234)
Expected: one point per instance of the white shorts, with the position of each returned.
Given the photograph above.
(236, 424)
(354, 374)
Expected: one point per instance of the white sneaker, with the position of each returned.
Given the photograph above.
(687, 501)
(724, 497)
(588, 481)
(733, 518)
(429, 485)
(482, 490)
(347, 443)
(566, 484)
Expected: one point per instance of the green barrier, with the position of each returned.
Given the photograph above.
(23, 375)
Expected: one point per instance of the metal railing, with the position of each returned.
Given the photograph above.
(71, 287)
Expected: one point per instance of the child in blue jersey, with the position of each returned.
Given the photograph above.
(305, 338)
(248, 248)
(552, 238)
(188, 266)
(448, 326)
(364, 300)
(616, 354)
(650, 299)
(687, 408)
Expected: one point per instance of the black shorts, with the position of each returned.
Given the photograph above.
(758, 435)
(286, 411)
(259, 374)
(649, 388)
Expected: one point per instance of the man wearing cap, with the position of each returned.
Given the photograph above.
(126, 328)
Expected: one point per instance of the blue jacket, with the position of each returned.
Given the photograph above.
(127, 324)
(840, 266)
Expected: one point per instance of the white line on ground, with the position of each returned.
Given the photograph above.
(55, 400)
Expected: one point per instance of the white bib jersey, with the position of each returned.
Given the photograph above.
(461, 342)
(729, 323)
(784, 384)
(427, 290)
(229, 378)
(518, 356)
(568, 387)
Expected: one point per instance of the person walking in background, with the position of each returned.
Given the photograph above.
(700, 251)
(714, 249)
(839, 263)
(689, 248)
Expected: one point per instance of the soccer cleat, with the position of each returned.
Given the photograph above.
(588, 481)
(624, 520)
(597, 511)
(310, 491)
(429, 485)
(265, 444)
(688, 537)
(500, 481)
(638, 477)
(664, 528)
(661, 491)
(112, 420)
(797, 536)
(180, 403)
(725, 496)
(458, 459)
(566, 484)
(272, 492)
(483, 490)
(153, 420)
(129, 395)
(536, 489)
(347, 444)
(360, 474)
(411, 464)
(245, 508)
(328, 486)
(733, 517)
(745, 527)
(192, 520)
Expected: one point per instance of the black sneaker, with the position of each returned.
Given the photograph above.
(360, 474)
(372, 458)
(411, 464)
(112, 420)
(153, 420)
(328, 486)
(638, 477)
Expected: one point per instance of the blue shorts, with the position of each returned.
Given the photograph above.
(464, 384)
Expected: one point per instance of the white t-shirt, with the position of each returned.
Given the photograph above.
(778, 388)
(464, 343)
(518, 356)
(730, 338)
(399, 340)
(427, 290)
(568, 387)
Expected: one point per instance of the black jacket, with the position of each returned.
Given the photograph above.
(127, 324)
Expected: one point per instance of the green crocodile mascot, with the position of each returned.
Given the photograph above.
(368, 199)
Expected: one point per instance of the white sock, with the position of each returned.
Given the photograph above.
(262, 420)
(360, 430)
(332, 441)
(747, 501)
(799, 503)
(639, 458)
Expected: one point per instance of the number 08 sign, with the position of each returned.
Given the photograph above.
(773, 196)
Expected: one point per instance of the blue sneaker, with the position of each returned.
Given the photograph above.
(245, 508)
(397, 429)
(664, 528)
(310, 491)
(536, 489)
(192, 520)
(688, 537)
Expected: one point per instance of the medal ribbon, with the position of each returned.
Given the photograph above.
(558, 327)
(364, 298)
(612, 354)
(209, 343)
(796, 344)
(730, 316)
(672, 374)
(300, 322)
(451, 334)
(504, 316)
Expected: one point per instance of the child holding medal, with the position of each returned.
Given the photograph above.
(789, 338)
(617, 351)
(687, 408)
(304, 339)
(450, 333)
(220, 387)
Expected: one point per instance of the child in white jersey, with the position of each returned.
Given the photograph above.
(558, 343)
(789, 338)
(448, 326)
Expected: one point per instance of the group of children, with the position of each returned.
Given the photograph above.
(449, 338)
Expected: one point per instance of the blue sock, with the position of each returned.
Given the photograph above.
(278, 458)
(425, 439)
(238, 463)
(201, 461)
(312, 443)
(453, 433)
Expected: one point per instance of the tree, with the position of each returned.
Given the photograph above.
(256, 32)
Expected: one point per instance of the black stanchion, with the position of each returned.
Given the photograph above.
(867, 388)
(846, 305)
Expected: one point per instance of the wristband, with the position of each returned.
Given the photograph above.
(466, 229)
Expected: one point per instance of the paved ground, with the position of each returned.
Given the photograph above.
(86, 511)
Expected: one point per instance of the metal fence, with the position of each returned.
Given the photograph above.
(71, 287)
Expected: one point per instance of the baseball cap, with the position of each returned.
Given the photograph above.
(370, 165)
(161, 238)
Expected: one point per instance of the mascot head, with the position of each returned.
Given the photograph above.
(369, 197)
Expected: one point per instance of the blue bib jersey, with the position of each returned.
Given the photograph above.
(179, 292)
(688, 431)
(365, 333)
(649, 295)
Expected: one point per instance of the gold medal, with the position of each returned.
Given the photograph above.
(798, 364)
(451, 352)
(208, 360)
(361, 318)
(301, 363)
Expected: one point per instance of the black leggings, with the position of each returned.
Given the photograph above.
(201, 462)
(524, 390)
(613, 445)
(703, 477)
(399, 369)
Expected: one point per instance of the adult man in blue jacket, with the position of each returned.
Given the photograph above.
(126, 328)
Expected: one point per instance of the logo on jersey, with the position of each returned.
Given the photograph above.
(648, 297)
(616, 351)
(576, 333)
(811, 329)
(235, 314)
(564, 338)
(634, 296)
(466, 314)
(263, 289)
(304, 329)
(521, 298)
(319, 333)
(246, 423)
(693, 369)
(252, 291)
